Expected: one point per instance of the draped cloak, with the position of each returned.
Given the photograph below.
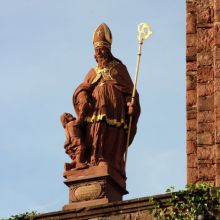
(109, 90)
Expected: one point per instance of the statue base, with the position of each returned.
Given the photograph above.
(94, 186)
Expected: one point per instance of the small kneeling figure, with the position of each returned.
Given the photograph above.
(73, 145)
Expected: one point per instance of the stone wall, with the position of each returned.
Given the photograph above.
(135, 209)
(203, 90)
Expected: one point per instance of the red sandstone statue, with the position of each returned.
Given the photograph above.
(102, 104)
(74, 145)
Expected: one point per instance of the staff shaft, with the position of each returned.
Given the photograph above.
(133, 98)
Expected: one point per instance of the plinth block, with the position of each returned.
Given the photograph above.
(94, 186)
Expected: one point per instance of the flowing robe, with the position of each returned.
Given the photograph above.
(109, 90)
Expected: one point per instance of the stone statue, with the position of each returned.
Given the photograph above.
(74, 145)
(102, 104)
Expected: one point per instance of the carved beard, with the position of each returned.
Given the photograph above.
(104, 59)
(102, 62)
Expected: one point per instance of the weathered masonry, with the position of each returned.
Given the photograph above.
(203, 90)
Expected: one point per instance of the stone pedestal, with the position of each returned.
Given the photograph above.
(94, 186)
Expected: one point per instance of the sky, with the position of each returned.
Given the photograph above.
(45, 52)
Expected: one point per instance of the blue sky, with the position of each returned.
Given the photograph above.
(45, 51)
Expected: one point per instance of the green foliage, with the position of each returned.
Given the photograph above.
(197, 199)
(26, 215)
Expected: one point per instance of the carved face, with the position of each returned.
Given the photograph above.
(65, 118)
(69, 117)
(101, 53)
